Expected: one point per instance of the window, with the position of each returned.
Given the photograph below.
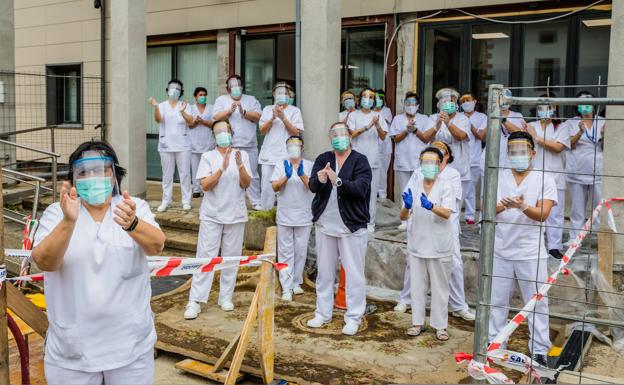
(362, 58)
(490, 58)
(64, 95)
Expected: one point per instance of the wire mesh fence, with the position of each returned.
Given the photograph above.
(568, 292)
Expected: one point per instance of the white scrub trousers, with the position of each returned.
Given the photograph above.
(384, 160)
(253, 191)
(195, 158)
(554, 223)
(212, 236)
(292, 249)
(140, 371)
(372, 208)
(580, 194)
(434, 271)
(168, 162)
(350, 250)
(465, 184)
(267, 195)
(457, 296)
(505, 273)
(470, 193)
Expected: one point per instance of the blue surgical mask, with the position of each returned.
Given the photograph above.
(281, 99)
(340, 143)
(448, 107)
(94, 190)
(520, 163)
(174, 93)
(366, 103)
(544, 112)
(584, 109)
(291, 101)
(348, 104)
(378, 103)
(430, 171)
(411, 110)
(236, 92)
(201, 99)
(223, 139)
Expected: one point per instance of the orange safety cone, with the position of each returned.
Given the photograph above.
(341, 301)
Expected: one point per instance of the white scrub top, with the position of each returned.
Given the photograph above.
(407, 152)
(173, 132)
(367, 143)
(343, 114)
(460, 148)
(479, 121)
(517, 236)
(517, 120)
(98, 301)
(587, 151)
(385, 146)
(429, 235)
(201, 136)
(548, 160)
(225, 203)
(243, 130)
(274, 145)
(294, 200)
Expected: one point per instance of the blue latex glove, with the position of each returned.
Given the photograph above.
(425, 203)
(300, 168)
(288, 169)
(408, 199)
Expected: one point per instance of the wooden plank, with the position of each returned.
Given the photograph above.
(266, 306)
(227, 353)
(4, 338)
(605, 252)
(246, 331)
(23, 308)
(204, 370)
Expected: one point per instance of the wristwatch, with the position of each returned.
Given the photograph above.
(338, 182)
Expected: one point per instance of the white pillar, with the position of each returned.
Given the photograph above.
(223, 60)
(614, 135)
(128, 90)
(7, 63)
(320, 71)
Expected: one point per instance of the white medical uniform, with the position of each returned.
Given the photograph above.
(550, 161)
(202, 141)
(460, 148)
(407, 152)
(479, 121)
(222, 216)
(174, 148)
(335, 242)
(294, 223)
(519, 254)
(385, 153)
(367, 144)
(343, 114)
(429, 249)
(244, 136)
(581, 159)
(98, 302)
(273, 149)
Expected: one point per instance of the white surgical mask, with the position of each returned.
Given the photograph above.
(468, 106)
(411, 109)
(174, 93)
(294, 152)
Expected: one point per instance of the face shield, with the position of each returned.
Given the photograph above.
(174, 91)
(294, 148)
(340, 138)
(410, 105)
(348, 101)
(585, 109)
(222, 134)
(367, 101)
(545, 111)
(429, 165)
(280, 94)
(94, 178)
(447, 100)
(236, 87)
(379, 101)
(440, 146)
(519, 154)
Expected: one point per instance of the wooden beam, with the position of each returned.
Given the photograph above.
(4, 338)
(205, 370)
(266, 314)
(605, 255)
(246, 331)
(24, 309)
(227, 354)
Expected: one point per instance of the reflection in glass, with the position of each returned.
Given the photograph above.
(442, 54)
(365, 51)
(258, 69)
(490, 58)
(593, 56)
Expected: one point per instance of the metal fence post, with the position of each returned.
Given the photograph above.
(486, 256)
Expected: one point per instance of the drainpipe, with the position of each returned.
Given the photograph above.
(100, 4)
(298, 52)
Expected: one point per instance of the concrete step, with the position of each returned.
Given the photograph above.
(180, 240)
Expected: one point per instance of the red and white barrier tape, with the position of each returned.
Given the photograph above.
(519, 361)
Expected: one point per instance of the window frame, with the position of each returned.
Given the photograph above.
(56, 121)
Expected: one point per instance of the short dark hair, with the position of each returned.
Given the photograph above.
(435, 150)
(174, 80)
(412, 94)
(103, 148)
(198, 90)
(297, 137)
(522, 135)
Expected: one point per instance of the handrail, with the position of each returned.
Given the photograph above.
(34, 184)
(49, 153)
(33, 177)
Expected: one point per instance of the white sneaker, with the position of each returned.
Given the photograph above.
(192, 310)
(370, 228)
(402, 226)
(316, 322)
(400, 307)
(258, 207)
(186, 207)
(465, 314)
(226, 305)
(163, 207)
(287, 296)
(298, 290)
(350, 328)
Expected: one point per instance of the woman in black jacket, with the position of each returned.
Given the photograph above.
(340, 180)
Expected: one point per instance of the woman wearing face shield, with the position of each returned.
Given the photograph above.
(368, 129)
(242, 111)
(385, 146)
(224, 174)
(92, 246)
(584, 163)
(428, 202)
(347, 103)
(294, 218)
(202, 139)
(174, 143)
(552, 140)
(341, 182)
(278, 122)
(526, 198)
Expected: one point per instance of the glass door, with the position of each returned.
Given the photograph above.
(259, 68)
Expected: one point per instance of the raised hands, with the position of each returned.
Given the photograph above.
(125, 212)
(69, 202)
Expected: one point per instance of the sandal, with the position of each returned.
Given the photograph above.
(415, 331)
(442, 335)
